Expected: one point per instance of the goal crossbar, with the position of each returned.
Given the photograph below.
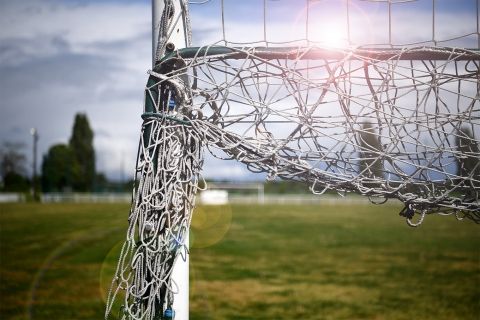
(326, 53)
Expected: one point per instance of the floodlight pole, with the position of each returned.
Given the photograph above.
(34, 133)
(180, 273)
(157, 9)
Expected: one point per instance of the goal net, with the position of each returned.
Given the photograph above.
(379, 98)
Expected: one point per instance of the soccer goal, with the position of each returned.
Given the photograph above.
(374, 97)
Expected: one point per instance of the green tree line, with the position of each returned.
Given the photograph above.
(65, 167)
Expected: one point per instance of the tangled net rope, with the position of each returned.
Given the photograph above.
(372, 122)
(168, 164)
(398, 123)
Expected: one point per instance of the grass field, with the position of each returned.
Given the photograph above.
(250, 262)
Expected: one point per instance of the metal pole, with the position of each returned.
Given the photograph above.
(261, 193)
(34, 134)
(177, 37)
(157, 9)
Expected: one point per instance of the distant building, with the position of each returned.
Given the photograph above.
(214, 197)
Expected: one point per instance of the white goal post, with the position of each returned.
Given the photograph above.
(178, 36)
(375, 97)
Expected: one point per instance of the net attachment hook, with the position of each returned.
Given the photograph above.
(409, 212)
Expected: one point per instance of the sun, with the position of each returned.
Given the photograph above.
(321, 29)
(332, 37)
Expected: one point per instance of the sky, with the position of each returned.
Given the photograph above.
(61, 57)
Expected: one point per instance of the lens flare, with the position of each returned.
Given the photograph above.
(107, 272)
(209, 225)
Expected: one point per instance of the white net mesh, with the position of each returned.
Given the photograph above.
(168, 164)
(386, 128)
(338, 23)
(350, 96)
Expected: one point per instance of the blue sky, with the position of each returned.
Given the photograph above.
(60, 57)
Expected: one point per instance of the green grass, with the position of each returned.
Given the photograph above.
(250, 262)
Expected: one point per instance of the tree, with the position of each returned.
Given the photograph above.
(59, 169)
(469, 154)
(12, 160)
(13, 168)
(81, 144)
(370, 164)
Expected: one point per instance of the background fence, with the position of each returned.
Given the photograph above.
(232, 198)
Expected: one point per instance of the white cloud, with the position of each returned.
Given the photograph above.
(58, 59)
(219, 169)
(83, 29)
